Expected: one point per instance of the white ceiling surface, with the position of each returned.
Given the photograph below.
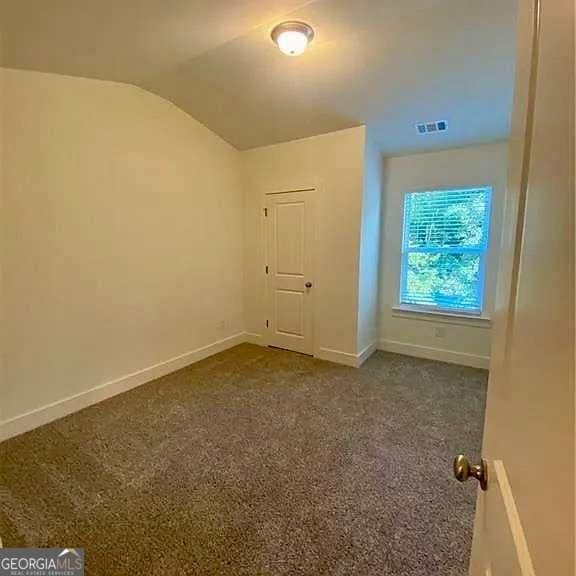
(384, 63)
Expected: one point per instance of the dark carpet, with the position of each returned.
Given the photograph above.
(258, 462)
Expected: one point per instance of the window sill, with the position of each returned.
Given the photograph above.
(461, 319)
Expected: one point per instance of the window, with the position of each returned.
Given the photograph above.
(445, 237)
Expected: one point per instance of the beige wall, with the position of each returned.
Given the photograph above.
(466, 342)
(127, 239)
(333, 164)
(122, 244)
(368, 280)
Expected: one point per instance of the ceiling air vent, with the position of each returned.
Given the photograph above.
(431, 127)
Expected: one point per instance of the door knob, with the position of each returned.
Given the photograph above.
(464, 470)
(308, 284)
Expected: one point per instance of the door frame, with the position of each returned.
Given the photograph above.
(316, 189)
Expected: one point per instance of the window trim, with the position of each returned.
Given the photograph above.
(458, 318)
(411, 310)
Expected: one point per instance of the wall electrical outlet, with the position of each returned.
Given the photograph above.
(221, 325)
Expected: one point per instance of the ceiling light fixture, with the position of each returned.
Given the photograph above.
(292, 37)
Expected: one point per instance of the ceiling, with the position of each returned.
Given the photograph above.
(385, 63)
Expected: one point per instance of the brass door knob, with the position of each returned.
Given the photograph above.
(464, 470)
(308, 284)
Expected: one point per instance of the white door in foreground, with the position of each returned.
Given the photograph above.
(525, 519)
(289, 221)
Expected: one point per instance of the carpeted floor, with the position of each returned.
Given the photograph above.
(258, 462)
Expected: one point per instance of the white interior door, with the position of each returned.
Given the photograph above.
(525, 519)
(289, 275)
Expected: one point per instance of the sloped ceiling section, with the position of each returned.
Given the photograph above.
(385, 63)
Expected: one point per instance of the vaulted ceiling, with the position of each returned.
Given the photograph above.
(385, 63)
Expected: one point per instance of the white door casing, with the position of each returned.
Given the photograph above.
(289, 226)
(507, 552)
(525, 520)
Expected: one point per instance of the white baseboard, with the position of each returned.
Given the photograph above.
(336, 356)
(366, 353)
(346, 358)
(60, 408)
(465, 359)
(254, 338)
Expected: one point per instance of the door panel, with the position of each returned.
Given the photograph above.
(290, 239)
(289, 312)
(526, 517)
(289, 252)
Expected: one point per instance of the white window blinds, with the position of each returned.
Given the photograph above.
(445, 238)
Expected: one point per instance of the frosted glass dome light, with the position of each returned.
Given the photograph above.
(292, 38)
